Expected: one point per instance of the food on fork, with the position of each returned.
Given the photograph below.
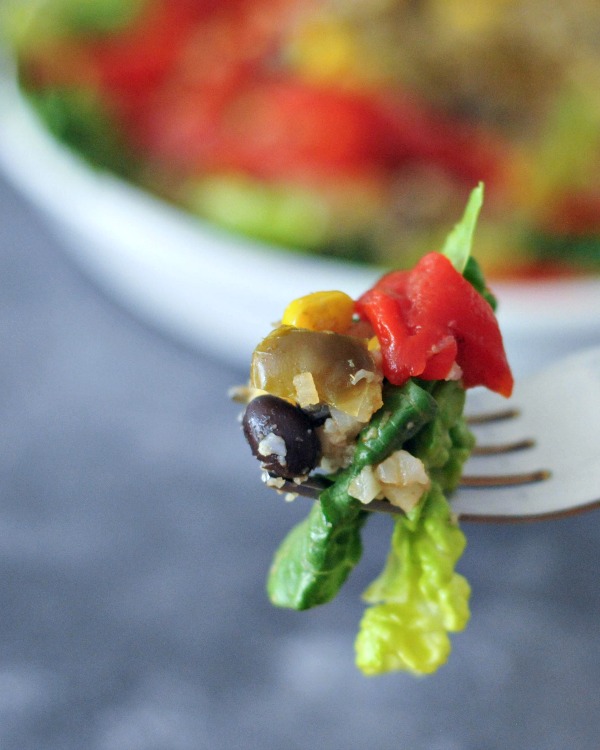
(366, 398)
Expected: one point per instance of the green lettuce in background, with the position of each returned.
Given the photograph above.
(78, 118)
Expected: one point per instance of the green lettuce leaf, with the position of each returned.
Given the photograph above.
(316, 556)
(458, 244)
(418, 598)
(445, 443)
(78, 118)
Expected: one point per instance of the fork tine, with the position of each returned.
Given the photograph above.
(312, 489)
(498, 448)
(505, 480)
(492, 450)
(314, 485)
(493, 416)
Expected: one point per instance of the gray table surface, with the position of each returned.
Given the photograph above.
(134, 541)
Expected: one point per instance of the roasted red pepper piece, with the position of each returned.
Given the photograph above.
(428, 318)
(411, 131)
(282, 127)
(132, 63)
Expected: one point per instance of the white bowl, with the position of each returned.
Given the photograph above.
(220, 292)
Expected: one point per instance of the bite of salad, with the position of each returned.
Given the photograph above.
(366, 397)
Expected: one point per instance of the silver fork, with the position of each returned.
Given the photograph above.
(537, 455)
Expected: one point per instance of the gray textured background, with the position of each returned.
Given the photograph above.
(134, 541)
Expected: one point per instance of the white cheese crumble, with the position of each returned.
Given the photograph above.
(363, 374)
(276, 482)
(273, 445)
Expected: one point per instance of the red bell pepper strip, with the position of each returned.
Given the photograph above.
(411, 130)
(431, 318)
(274, 127)
(192, 83)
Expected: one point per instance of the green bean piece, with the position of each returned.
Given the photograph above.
(445, 443)
(318, 554)
(315, 559)
(406, 409)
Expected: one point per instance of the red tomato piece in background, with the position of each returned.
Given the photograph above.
(410, 130)
(428, 318)
(170, 43)
(134, 62)
(274, 126)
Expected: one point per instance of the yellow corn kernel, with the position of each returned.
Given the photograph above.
(323, 49)
(374, 344)
(465, 16)
(320, 311)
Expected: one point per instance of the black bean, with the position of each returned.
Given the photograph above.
(269, 416)
(317, 414)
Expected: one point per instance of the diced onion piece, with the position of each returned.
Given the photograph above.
(365, 486)
(402, 468)
(306, 391)
(403, 497)
(455, 372)
(401, 479)
(337, 437)
(275, 482)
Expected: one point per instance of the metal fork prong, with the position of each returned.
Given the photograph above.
(382, 506)
(313, 488)
(505, 480)
(310, 488)
(493, 416)
(312, 492)
(492, 450)
(291, 488)
(314, 485)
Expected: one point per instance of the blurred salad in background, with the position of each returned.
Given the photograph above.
(340, 128)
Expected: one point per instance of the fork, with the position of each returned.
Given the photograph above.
(537, 455)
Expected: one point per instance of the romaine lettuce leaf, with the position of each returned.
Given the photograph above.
(418, 598)
(445, 443)
(315, 558)
(459, 242)
(457, 247)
